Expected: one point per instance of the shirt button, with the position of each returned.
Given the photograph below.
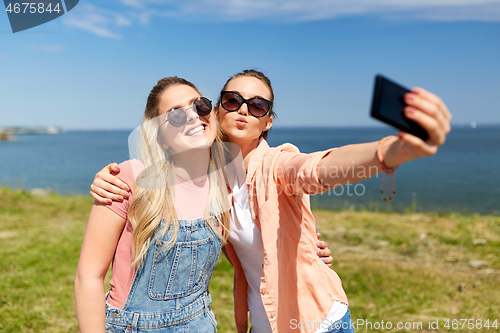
(263, 291)
(271, 315)
(254, 217)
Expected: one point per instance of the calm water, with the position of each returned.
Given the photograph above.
(463, 176)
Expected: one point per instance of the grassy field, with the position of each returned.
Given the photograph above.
(408, 268)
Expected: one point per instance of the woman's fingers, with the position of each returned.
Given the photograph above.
(98, 198)
(434, 99)
(105, 190)
(107, 187)
(97, 194)
(430, 108)
(431, 105)
(325, 256)
(107, 176)
(112, 184)
(113, 167)
(324, 252)
(431, 113)
(328, 261)
(436, 129)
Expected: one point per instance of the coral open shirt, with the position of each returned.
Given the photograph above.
(296, 286)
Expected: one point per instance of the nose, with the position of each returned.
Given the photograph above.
(191, 115)
(243, 110)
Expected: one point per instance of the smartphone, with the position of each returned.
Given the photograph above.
(388, 105)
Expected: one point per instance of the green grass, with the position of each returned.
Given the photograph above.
(394, 267)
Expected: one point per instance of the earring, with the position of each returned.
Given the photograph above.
(162, 144)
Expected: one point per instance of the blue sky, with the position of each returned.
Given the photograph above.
(94, 66)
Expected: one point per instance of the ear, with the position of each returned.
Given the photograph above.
(269, 124)
(216, 111)
(161, 142)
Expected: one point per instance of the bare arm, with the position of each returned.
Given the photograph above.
(101, 237)
(225, 254)
(354, 163)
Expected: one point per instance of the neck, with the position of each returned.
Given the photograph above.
(192, 164)
(247, 149)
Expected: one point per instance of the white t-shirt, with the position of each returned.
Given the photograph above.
(337, 311)
(247, 242)
(246, 239)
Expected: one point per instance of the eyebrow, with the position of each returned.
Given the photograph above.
(256, 96)
(178, 106)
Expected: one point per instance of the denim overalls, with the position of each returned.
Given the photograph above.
(170, 289)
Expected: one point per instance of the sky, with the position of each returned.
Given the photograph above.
(93, 67)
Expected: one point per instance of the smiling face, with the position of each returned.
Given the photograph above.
(240, 126)
(197, 132)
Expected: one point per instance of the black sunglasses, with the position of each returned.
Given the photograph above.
(257, 106)
(177, 117)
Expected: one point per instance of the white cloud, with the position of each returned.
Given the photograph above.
(48, 48)
(106, 23)
(145, 17)
(133, 3)
(97, 21)
(463, 13)
(306, 10)
(122, 21)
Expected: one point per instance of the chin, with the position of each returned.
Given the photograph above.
(210, 135)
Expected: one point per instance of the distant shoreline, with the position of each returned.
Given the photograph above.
(5, 136)
(32, 130)
(279, 127)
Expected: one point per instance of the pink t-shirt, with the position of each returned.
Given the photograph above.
(186, 193)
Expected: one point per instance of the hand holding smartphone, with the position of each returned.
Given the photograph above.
(388, 105)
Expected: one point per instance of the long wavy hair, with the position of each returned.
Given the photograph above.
(154, 191)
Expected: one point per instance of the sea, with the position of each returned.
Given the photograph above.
(464, 176)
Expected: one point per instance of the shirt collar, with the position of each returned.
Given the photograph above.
(256, 159)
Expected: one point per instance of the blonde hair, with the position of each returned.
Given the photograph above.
(153, 190)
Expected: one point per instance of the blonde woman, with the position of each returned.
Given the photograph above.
(165, 239)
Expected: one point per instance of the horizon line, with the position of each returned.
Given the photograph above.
(277, 126)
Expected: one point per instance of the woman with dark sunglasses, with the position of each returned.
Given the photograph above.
(278, 278)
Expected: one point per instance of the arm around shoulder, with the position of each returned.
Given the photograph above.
(107, 187)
